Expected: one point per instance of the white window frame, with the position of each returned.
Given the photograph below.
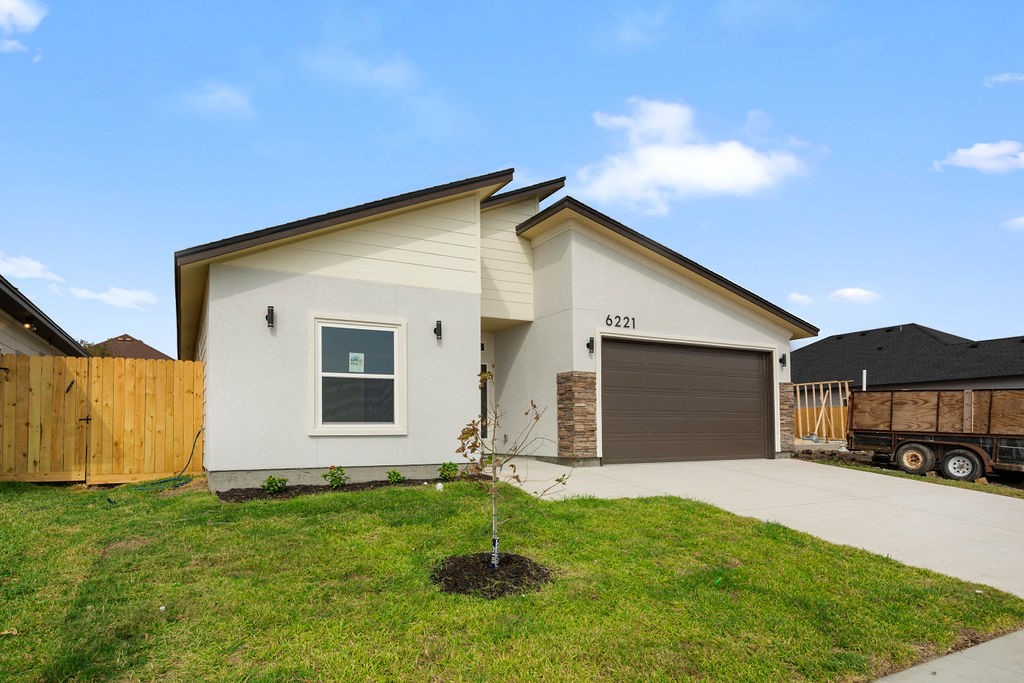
(399, 426)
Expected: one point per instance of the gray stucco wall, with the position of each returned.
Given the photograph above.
(261, 382)
(580, 280)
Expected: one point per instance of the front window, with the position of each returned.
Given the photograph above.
(360, 383)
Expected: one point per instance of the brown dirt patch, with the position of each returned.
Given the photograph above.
(197, 484)
(126, 544)
(243, 495)
(473, 575)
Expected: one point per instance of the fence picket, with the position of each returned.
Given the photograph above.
(140, 415)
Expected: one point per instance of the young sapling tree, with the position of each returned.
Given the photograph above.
(478, 444)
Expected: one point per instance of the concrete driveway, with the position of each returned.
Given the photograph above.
(974, 536)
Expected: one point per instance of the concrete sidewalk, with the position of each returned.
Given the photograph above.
(975, 536)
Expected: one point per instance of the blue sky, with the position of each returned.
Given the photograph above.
(858, 163)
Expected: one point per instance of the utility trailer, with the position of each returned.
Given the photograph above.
(964, 433)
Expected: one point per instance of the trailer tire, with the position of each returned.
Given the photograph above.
(961, 465)
(915, 458)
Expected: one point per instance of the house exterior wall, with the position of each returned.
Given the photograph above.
(437, 246)
(16, 339)
(261, 382)
(581, 278)
(528, 357)
(506, 262)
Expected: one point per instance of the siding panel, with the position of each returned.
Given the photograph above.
(435, 246)
(506, 263)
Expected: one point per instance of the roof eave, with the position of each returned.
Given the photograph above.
(492, 182)
(21, 307)
(540, 191)
(801, 328)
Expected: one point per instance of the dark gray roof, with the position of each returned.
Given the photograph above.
(907, 354)
(21, 308)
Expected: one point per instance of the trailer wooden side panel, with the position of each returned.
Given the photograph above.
(951, 411)
(871, 410)
(980, 411)
(915, 411)
(1007, 412)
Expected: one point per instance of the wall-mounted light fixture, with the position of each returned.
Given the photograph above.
(437, 330)
(28, 325)
(782, 360)
(270, 317)
(590, 345)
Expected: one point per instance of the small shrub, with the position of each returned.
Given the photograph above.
(335, 477)
(448, 471)
(395, 477)
(273, 484)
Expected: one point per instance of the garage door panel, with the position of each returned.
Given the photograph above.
(664, 402)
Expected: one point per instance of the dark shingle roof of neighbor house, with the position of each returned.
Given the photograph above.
(21, 308)
(907, 354)
(609, 223)
(126, 346)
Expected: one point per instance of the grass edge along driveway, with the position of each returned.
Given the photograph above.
(336, 587)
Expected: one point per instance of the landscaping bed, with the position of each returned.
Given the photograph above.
(290, 491)
(128, 584)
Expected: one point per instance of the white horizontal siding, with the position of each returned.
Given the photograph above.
(16, 339)
(506, 263)
(435, 246)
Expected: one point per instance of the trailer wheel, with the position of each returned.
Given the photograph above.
(915, 458)
(961, 465)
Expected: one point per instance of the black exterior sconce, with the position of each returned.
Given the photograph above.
(437, 330)
(590, 345)
(270, 317)
(782, 360)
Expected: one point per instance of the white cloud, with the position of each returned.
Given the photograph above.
(800, 299)
(23, 267)
(1002, 79)
(854, 295)
(1014, 223)
(18, 16)
(344, 65)
(218, 99)
(987, 157)
(666, 160)
(7, 45)
(115, 296)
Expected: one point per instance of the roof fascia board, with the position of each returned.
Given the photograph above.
(540, 191)
(266, 236)
(489, 183)
(550, 216)
(20, 306)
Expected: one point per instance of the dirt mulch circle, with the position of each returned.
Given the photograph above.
(243, 495)
(473, 575)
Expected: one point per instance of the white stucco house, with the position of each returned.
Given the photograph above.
(356, 338)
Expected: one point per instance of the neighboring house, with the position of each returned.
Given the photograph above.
(24, 329)
(912, 357)
(356, 338)
(125, 346)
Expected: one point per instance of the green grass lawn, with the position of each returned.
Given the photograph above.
(993, 486)
(337, 587)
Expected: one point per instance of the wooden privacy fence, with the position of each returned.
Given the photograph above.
(820, 409)
(99, 420)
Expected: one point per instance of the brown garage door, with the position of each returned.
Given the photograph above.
(666, 402)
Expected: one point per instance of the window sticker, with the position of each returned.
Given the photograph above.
(355, 362)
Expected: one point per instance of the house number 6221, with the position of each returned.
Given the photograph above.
(620, 321)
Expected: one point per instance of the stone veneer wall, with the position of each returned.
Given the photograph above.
(577, 415)
(787, 401)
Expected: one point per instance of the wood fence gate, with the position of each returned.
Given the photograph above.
(99, 420)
